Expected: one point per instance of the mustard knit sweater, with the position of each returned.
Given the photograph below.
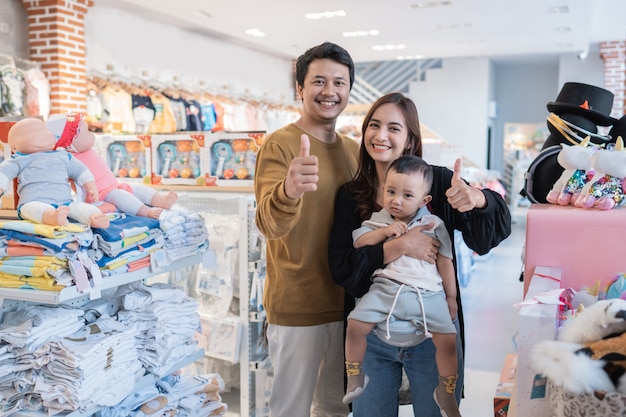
(299, 290)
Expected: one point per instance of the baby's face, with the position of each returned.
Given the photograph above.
(404, 194)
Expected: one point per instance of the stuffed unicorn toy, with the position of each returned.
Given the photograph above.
(576, 161)
(605, 190)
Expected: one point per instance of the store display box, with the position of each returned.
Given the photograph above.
(180, 159)
(205, 158)
(506, 384)
(232, 156)
(536, 322)
(127, 156)
(587, 244)
(221, 337)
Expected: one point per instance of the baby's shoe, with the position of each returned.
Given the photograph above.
(357, 381)
(444, 396)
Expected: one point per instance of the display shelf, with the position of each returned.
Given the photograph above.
(73, 295)
(235, 205)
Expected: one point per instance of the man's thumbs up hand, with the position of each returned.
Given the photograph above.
(302, 174)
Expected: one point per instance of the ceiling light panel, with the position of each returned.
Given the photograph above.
(255, 32)
(325, 15)
(204, 13)
(361, 33)
(453, 26)
(430, 4)
(388, 47)
(559, 9)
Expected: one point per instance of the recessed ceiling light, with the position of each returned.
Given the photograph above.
(203, 13)
(409, 57)
(361, 33)
(388, 47)
(430, 4)
(559, 9)
(255, 32)
(454, 26)
(326, 15)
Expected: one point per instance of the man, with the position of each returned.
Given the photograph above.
(299, 169)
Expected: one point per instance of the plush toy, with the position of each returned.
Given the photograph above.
(606, 189)
(586, 296)
(590, 354)
(576, 161)
(133, 198)
(43, 175)
(617, 287)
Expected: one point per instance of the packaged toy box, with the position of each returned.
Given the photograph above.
(232, 156)
(127, 156)
(179, 159)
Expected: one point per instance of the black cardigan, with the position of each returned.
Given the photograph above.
(351, 268)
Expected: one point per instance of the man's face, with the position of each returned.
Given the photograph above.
(326, 89)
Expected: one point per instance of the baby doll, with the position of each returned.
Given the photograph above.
(576, 161)
(137, 199)
(43, 176)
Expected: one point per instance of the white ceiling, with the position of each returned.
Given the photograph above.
(452, 28)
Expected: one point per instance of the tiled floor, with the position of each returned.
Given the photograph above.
(490, 321)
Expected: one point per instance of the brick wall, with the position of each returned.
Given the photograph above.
(56, 40)
(614, 56)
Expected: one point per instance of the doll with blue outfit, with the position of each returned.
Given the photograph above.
(43, 178)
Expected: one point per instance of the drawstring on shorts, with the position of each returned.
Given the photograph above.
(393, 305)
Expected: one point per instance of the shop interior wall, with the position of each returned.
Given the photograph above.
(453, 101)
(522, 90)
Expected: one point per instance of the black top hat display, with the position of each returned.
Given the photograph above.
(571, 129)
(590, 101)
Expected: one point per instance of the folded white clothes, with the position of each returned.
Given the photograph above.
(138, 295)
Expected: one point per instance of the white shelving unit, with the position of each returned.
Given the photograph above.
(219, 205)
(72, 296)
(11, 298)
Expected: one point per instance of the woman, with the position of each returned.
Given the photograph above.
(391, 129)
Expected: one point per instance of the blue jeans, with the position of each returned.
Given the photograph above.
(383, 365)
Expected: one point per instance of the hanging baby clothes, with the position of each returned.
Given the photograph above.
(164, 120)
(118, 110)
(37, 91)
(11, 91)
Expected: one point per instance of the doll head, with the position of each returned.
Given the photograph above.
(576, 156)
(611, 162)
(30, 136)
(71, 132)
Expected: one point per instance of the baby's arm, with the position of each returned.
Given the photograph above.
(395, 229)
(446, 270)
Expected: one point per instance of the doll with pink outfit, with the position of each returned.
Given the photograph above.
(72, 134)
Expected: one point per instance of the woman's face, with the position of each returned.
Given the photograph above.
(386, 134)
